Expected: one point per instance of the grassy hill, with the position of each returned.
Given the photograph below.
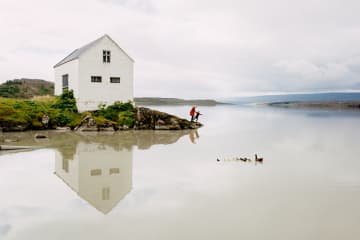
(26, 88)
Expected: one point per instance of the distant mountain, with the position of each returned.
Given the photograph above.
(311, 97)
(174, 101)
(26, 88)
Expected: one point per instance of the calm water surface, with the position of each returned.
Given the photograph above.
(169, 185)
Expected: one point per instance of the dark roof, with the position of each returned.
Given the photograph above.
(77, 52)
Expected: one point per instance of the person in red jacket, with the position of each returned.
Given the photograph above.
(192, 113)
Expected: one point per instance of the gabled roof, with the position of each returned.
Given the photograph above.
(77, 52)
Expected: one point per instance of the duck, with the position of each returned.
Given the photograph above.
(258, 159)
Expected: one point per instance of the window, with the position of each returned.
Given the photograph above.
(95, 78)
(95, 172)
(106, 56)
(65, 82)
(114, 79)
(105, 193)
(114, 171)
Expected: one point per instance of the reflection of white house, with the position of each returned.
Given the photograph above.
(98, 173)
(99, 72)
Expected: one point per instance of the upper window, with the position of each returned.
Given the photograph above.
(65, 82)
(114, 79)
(106, 56)
(106, 193)
(95, 78)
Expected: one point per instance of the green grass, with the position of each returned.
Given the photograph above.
(62, 112)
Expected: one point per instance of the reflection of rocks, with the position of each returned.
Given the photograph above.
(65, 141)
(145, 139)
(97, 165)
(152, 119)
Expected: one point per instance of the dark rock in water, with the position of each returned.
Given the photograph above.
(152, 119)
(40, 136)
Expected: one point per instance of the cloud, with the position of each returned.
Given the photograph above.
(202, 48)
(142, 5)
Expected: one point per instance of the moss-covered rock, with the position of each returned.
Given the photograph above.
(152, 119)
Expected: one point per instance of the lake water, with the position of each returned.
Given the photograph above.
(169, 185)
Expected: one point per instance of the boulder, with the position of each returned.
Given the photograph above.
(88, 124)
(40, 136)
(152, 119)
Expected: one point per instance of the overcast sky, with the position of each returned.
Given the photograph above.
(194, 48)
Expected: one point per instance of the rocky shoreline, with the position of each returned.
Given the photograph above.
(145, 119)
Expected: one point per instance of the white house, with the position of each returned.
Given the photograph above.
(99, 73)
(98, 173)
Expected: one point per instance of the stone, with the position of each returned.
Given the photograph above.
(63, 128)
(40, 136)
(106, 129)
(162, 127)
(160, 122)
(152, 119)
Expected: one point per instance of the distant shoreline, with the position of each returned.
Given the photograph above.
(338, 105)
(175, 101)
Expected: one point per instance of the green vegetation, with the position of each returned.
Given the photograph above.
(9, 89)
(26, 88)
(20, 114)
(119, 113)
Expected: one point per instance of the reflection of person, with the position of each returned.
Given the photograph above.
(193, 135)
(197, 114)
(192, 113)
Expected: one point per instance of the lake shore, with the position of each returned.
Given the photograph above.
(61, 112)
(353, 105)
(176, 101)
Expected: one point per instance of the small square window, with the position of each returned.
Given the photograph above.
(96, 79)
(106, 56)
(114, 79)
